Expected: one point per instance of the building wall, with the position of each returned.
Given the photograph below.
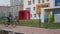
(14, 7)
(15, 10)
(16, 2)
(53, 3)
(32, 5)
(18, 7)
(4, 12)
(32, 11)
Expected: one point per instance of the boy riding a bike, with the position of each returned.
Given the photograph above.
(9, 18)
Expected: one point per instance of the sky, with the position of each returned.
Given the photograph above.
(4, 2)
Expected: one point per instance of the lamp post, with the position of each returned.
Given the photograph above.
(39, 20)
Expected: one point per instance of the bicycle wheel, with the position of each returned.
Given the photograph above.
(13, 23)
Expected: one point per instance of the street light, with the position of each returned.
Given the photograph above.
(39, 20)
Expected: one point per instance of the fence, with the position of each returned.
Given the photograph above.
(35, 23)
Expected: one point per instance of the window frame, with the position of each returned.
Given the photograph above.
(38, 1)
(33, 1)
(34, 15)
(30, 15)
(28, 8)
(29, 2)
(47, 0)
(34, 8)
(42, 1)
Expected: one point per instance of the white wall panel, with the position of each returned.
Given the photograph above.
(57, 18)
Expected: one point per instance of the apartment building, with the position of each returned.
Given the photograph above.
(14, 6)
(31, 5)
(35, 5)
(18, 5)
(42, 7)
(52, 10)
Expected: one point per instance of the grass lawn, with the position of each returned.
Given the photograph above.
(51, 26)
(31, 23)
(36, 23)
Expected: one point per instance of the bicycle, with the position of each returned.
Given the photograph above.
(12, 22)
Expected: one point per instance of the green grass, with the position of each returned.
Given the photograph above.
(54, 26)
(36, 23)
(32, 23)
(50, 26)
(1, 21)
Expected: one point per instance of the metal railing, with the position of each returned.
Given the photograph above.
(34, 23)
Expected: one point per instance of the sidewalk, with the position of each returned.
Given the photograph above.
(30, 30)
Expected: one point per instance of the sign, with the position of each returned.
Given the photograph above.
(56, 12)
(57, 2)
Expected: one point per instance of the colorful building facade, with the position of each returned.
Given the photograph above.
(35, 6)
(42, 7)
(53, 10)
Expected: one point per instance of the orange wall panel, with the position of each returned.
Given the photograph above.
(39, 6)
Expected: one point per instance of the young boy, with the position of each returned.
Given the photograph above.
(9, 18)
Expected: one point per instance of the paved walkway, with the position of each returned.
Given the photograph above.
(30, 30)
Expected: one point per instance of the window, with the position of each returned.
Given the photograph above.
(29, 2)
(47, 0)
(43, 1)
(30, 15)
(34, 15)
(58, 4)
(38, 1)
(28, 9)
(33, 8)
(47, 6)
(33, 1)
